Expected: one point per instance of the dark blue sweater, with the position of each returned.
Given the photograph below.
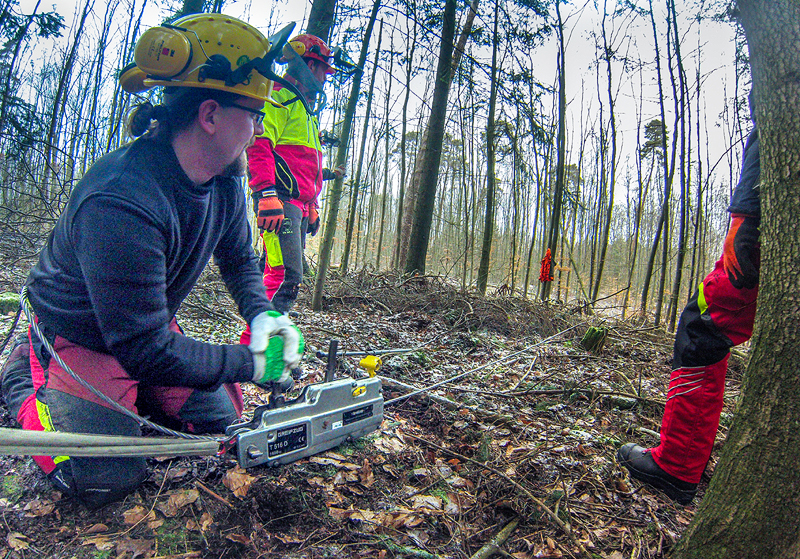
(129, 247)
(745, 199)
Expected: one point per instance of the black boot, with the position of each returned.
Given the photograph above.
(641, 465)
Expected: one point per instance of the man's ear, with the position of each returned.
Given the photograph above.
(207, 114)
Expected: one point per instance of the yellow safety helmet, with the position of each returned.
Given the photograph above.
(210, 51)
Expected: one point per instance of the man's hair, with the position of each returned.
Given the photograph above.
(177, 111)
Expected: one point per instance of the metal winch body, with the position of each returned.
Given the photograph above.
(325, 415)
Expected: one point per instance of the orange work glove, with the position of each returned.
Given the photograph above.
(741, 252)
(313, 221)
(269, 210)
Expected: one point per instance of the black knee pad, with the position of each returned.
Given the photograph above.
(94, 481)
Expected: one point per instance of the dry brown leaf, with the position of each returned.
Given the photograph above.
(366, 475)
(426, 502)
(289, 539)
(202, 524)
(343, 477)
(420, 536)
(521, 555)
(322, 461)
(101, 543)
(155, 524)
(389, 445)
(17, 541)
(460, 483)
(616, 555)
(137, 514)
(391, 470)
(136, 548)
(177, 501)
(238, 538)
(96, 529)
(238, 481)
(38, 508)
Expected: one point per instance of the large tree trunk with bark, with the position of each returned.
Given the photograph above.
(320, 20)
(752, 505)
(335, 192)
(429, 166)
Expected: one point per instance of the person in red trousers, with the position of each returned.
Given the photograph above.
(719, 316)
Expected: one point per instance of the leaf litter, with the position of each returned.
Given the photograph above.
(448, 468)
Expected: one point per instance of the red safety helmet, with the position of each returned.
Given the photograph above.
(310, 46)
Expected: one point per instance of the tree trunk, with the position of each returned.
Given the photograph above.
(561, 147)
(491, 181)
(335, 193)
(424, 145)
(751, 508)
(429, 166)
(351, 218)
(320, 20)
(612, 164)
(385, 192)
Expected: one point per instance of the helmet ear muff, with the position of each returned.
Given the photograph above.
(163, 52)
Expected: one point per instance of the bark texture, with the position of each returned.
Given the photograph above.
(753, 503)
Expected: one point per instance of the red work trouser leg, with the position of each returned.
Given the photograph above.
(691, 418)
(717, 317)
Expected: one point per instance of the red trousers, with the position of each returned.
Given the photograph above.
(44, 397)
(717, 317)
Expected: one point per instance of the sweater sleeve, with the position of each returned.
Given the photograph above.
(238, 264)
(125, 276)
(746, 195)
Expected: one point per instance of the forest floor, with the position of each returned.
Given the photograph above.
(518, 452)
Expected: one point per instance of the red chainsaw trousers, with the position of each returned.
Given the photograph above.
(44, 397)
(717, 317)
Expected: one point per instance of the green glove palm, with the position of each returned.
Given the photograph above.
(273, 361)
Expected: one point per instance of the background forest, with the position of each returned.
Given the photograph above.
(609, 132)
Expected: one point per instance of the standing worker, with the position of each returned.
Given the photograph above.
(139, 229)
(286, 172)
(718, 316)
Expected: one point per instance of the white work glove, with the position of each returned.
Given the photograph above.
(277, 346)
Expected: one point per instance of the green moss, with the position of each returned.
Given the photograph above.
(9, 302)
(13, 488)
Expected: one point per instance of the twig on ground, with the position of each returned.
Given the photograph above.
(538, 502)
(217, 496)
(493, 546)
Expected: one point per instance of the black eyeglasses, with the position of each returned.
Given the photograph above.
(258, 116)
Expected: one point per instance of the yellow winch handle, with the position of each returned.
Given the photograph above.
(371, 363)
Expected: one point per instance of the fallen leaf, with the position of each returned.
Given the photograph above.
(136, 548)
(322, 461)
(366, 475)
(426, 502)
(419, 536)
(289, 539)
(460, 482)
(391, 470)
(101, 543)
(343, 477)
(616, 555)
(155, 524)
(38, 508)
(136, 515)
(96, 529)
(389, 445)
(17, 541)
(202, 524)
(238, 538)
(238, 481)
(177, 501)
